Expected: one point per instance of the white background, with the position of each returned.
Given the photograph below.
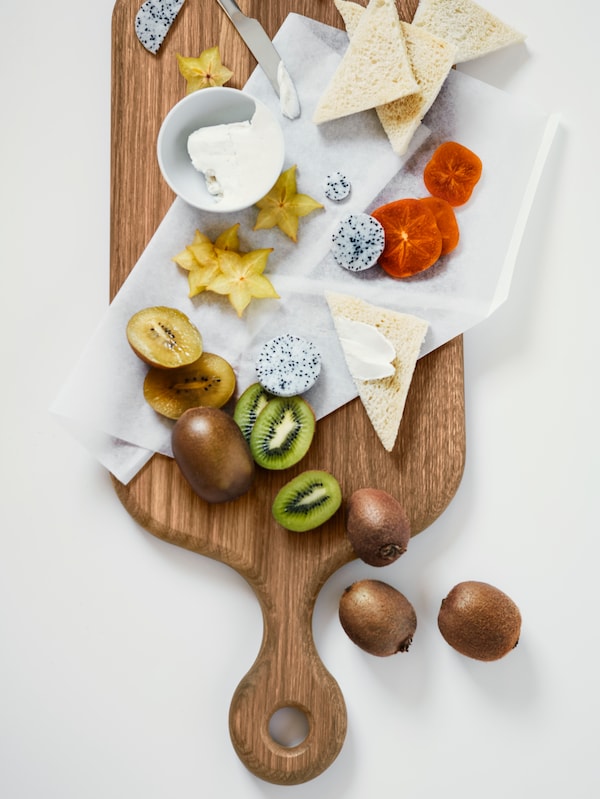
(119, 653)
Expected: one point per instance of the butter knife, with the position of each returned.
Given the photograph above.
(153, 20)
(256, 39)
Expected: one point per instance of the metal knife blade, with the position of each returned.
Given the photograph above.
(153, 20)
(256, 38)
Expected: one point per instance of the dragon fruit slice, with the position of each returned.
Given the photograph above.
(288, 365)
(337, 186)
(358, 242)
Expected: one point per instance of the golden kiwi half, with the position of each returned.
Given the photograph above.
(208, 382)
(163, 337)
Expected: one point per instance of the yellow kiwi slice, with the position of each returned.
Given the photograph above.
(208, 382)
(164, 337)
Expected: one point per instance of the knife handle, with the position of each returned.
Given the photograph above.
(287, 673)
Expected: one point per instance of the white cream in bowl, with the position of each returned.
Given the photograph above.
(220, 149)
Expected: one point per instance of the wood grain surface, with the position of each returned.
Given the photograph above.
(286, 570)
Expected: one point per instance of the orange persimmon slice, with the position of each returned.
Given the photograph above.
(452, 173)
(446, 222)
(413, 241)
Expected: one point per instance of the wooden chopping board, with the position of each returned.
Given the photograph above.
(286, 570)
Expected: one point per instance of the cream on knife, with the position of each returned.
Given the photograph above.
(153, 20)
(263, 49)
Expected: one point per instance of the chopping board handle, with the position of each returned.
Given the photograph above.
(287, 673)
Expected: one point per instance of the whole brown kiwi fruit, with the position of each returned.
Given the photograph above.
(479, 621)
(377, 526)
(377, 617)
(212, 454)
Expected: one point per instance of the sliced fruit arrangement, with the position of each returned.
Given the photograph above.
(409, 235)
(282, 433)
(288, 365)
(307, 501)
(164, 337)
(209, 381)
(222, 268)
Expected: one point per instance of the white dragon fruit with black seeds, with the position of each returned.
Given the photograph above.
(337, 186)
(288, 365)
(153, 20)
(358, 242)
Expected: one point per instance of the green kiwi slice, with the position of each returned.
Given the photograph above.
(282, 433)
(164, 337)
(208, 382)
(251, 402)
(307, 501)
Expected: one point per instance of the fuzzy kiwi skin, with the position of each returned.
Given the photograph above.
(377, 617)
(377, 526)
(479, 621)
(212, 454)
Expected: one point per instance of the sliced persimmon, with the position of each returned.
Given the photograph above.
(413, 241)
(446, 222)
(452, 173)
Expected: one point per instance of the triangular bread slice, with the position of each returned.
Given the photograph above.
(384, 398)
(474, 30)
(375, 68)
(431, 59)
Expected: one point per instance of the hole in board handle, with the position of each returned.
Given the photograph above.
(289, 726)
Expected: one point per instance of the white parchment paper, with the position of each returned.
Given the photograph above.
(102, 402)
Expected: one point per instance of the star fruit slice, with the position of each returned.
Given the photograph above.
(204, 71)
(283, 206)
(241, 277)
(200, 259)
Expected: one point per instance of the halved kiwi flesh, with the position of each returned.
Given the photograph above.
(307, 501)
(164, 337)
(282, 433)
(208, 382)
(250, 403)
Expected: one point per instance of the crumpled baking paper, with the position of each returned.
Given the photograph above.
(102, 403)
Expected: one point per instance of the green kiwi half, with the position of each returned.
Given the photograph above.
(282, 433)
(251, 402)
(307, 501)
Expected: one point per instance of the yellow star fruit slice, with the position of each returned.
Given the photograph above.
(241, 277)
(200, 260)
(186, 258)
(228, 240)
(206, 70)
(283, 206)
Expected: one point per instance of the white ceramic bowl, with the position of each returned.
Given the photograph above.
(213, 106)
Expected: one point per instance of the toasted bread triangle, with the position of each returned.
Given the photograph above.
(431, 59)
(470, 27)
(375, 69)
(384, 399)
